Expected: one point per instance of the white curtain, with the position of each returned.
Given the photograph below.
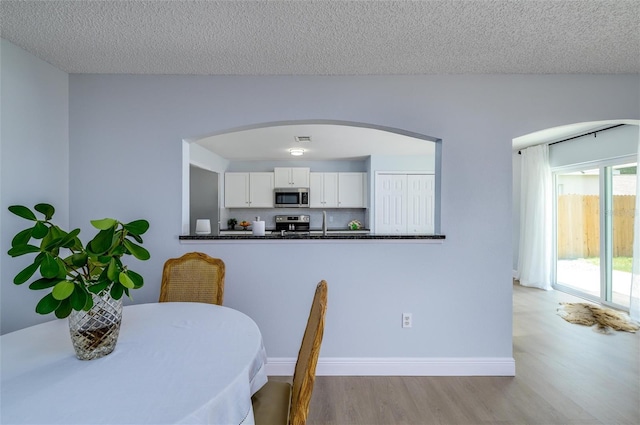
(634, 309)
(535, 255)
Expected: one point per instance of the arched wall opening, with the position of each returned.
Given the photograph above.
(334, 146)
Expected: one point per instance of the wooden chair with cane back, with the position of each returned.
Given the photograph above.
(280, 403)
(194, 277)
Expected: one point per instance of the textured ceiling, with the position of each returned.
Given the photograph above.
(328, 37)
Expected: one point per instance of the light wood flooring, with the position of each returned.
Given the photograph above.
(565, 374)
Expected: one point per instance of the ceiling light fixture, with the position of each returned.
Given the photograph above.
(296, 151)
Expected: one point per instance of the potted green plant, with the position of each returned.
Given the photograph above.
(231, 223)
(86, 282)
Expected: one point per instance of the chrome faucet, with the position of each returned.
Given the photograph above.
(324, 223)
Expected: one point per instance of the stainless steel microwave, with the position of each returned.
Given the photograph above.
(291, 197)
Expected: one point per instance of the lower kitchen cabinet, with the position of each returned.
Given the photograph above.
(248, 190)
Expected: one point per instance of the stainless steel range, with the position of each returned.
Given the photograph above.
(293, 223)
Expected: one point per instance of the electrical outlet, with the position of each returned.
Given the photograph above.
(407, 320)
(330, 219)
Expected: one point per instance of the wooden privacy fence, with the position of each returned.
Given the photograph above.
(579, 226)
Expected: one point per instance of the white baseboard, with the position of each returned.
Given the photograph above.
(400, 366)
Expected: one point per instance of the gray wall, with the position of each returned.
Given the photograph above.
(459, 291)
(34, 165)
(203, 198)
(144, 118)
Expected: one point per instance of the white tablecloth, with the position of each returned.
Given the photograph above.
(175, 363)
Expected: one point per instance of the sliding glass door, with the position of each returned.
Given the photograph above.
(594, 249)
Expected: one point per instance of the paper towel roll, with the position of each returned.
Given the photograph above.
(258, 228)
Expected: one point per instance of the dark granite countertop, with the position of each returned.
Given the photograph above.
(306, 236)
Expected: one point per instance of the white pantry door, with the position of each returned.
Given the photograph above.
(420, 203)
(391, 204)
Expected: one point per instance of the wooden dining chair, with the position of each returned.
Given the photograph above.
(280, 403)
(194, 277)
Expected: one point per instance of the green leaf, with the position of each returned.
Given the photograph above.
(46, 210)
(64, 309)
(79, 259)
(98, 287)
(40, 230)
(104, 224)
(102, 241)
(89, 303)
(116, 291)
(71, 239)
(138, 281)
(43, 283)
(19, 250)
(118, 250)
(62, 268)
(26, 274)
(137, 227)
(49, 266)
(22, 211)
(126, 280)
(47, 304)
(136, 238)
(53, 244)
(139, 252)
(112, 270)
(63, 290)
(78, 298)
(22, 238)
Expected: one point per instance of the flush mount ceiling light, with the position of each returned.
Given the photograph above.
(303, 139)
(296, 151)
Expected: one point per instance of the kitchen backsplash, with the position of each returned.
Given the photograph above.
(337, 218)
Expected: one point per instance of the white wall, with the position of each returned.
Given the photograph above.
(138, 122)
(125, 162)
(34, 165)
(605, 145)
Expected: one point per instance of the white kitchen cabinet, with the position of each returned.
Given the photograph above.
(352, 191)
(337, 190)
(291, 177)
(323, 190)
(404, 203)
(248, 190)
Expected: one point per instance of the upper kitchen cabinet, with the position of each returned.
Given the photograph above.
(248, 190)
(323, 190)
(352, 191)
(291, 177)
(337, 190)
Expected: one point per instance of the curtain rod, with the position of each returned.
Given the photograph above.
(582, 135)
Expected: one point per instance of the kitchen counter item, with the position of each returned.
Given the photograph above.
(354, 225)
(257, 227)
(293, 223)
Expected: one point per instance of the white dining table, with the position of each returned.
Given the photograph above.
(174, 363)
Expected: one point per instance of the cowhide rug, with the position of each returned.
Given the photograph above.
(602, 319)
